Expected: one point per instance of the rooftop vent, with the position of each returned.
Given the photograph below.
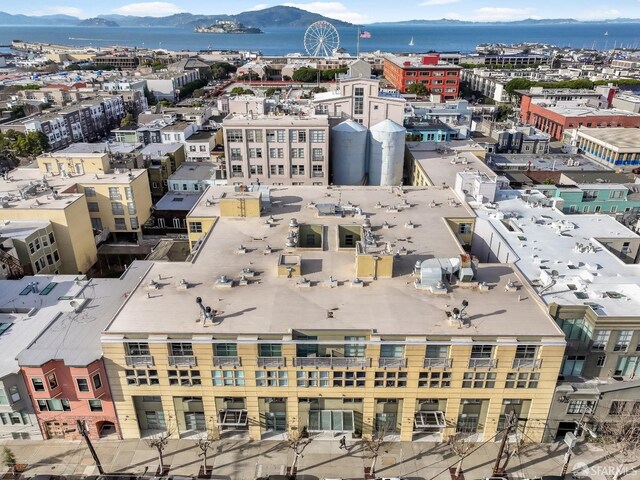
(183, 284)
(224, 282)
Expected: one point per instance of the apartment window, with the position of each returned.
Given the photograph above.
(195, 227)
(128, 193)
(38, 384)
(297, 169)
(617, 407)
(90, 191)
(96, 224)
(526, 351)
(236, 170)
(235, 153)
(36, 244)
(276, 153)
(142, 377)
(349, 379)
(297, 153)
(52, 239)
(181, 349)
(298, 136)
(137, 348)
(3, 397)
(317, 136)
(134, 223)
(234, 135)
(580, 406)
(313, 378)
(226, 350)
(131, 208)
(276, 169)
(228, 378)
(114, 193)
(600, 361)
(117, 208)
(271, 378)
(317, 155)
(255, 153)
(624, 338)
(481, 351)
(54, 405)
(255, 169)
(83, 384)
(600, 339)
(97, 381)
(184, 378)
(317, 170)
(464, 228)
(52, 381)
(358, 103)
(478, 380)
(434, 380)
(95, 405)
(93, 206)
(390, 379)
(270, 350)
(522, 380)
(14, 394)
(254, 135)
(120, 223)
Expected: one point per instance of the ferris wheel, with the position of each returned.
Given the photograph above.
(321, 39)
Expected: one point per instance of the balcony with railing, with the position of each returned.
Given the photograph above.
(437, 363)
(332, 362)
(226, 362)
(271, 362)
(182, 361)
(392, 362)
(526, 363)
(483, 362)
(139, 360)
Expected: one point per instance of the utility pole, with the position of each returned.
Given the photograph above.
(511, 420)
(580, 424)
(83, 431)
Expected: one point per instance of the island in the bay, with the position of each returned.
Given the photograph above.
(227, 26)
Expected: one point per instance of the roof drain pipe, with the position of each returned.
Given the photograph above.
(375, 267)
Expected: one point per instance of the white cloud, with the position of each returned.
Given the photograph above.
(600, 14)
(335, 10)
(259, 6)
(149, 9)
(59, 10)
(428, 3)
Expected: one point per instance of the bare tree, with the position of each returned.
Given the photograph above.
(206, 441)
(461, 443)
(160, 440)
(297, 443)
(619, 435)
(374, 445)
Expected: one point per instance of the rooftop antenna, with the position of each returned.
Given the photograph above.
(458, 313)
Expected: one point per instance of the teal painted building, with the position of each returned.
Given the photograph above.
(591, 198)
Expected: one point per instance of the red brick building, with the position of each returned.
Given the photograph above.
(63, 394)
(438, 77)
(555, 120)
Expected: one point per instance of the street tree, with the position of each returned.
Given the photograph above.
(618, 434)
(461, 444)
(9, 459)
(160, 439)
(373, 445)
(206, 441)
(298, 442)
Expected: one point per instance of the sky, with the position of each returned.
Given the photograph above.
(355, 11)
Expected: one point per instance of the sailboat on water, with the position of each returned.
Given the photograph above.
(411, 42)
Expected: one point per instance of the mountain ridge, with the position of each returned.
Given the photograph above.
(272, 17)
(526, 21)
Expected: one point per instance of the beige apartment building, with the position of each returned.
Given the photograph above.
(362, 100)
(339, 310)
(277, 149)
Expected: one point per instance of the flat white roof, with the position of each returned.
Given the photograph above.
(620, 138)
(549, 243)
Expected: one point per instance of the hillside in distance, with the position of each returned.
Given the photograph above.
(526, 21)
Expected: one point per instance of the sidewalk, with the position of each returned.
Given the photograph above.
(247, 460)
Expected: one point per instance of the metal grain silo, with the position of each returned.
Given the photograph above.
(386, 153)
(348, 153)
